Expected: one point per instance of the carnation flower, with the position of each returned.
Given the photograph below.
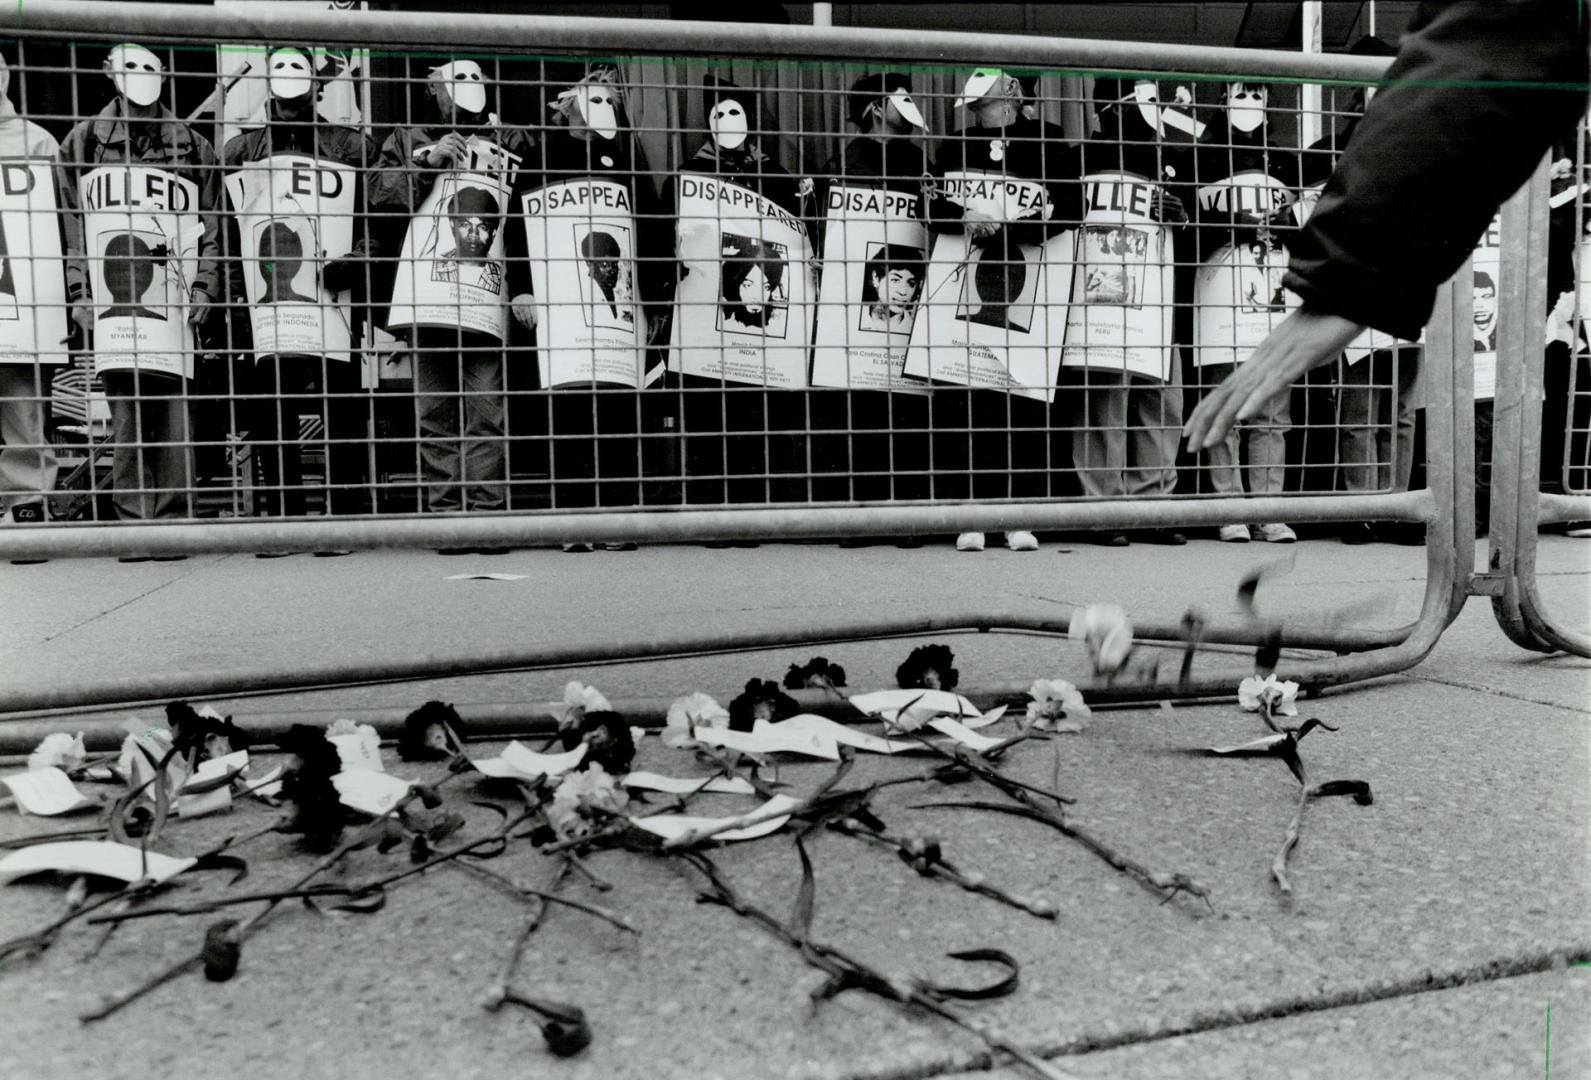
(579, 699)
(1107, 634)
(1253, 693)
(690, 712)
(761, 700)
(60, 751)
(430, 733)
(1056, 706)
(816, 673)
(610, 744)
(318, 812)
(204, 729)
(929, 667)
(584, 801)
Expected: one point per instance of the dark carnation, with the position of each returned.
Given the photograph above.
(929, 667)
(221, 951)
(761, 700)
(816, 672)
(430, 733)
(213, 738)
(318, 814)
(608, 738)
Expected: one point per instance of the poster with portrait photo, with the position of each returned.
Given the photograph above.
(590, 327)
(1120, 318)
(1238, 298)
(293, 212)
(744, 306)
(33, 316)
(141, 231)
(451, 272)
(993, 316)
(876, 265)
(343, 72)
(1485, 277)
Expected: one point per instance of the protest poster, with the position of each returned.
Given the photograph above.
(875, 263)
(450, 271)
(743, 308)
(293, 212)
(589, 323)
(1237, 292)
(1121, 313)
(1485, 275)
(343, 73)
(995, 314)
(141, 232)
(32, 283)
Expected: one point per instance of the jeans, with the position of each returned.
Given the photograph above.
(1375, 413)
(459, 404)
(1125, 430)
(1266, 435)
(27, 461)
(286, 386)
(151, 463)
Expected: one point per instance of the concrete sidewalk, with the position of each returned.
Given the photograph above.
(1428, 936)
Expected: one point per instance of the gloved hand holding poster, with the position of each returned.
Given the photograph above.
(589, 324)
(293, 213)
(744, 304)
(1121, 313)
(32, 285)
(875, 264)
(1237, 293)
(450, 270)
(141, 232)
(995, 310)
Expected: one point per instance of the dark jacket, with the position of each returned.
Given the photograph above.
(895, 164)
(1477, 93)
(163, 143)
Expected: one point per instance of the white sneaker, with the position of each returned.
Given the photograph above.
(1021, 540)
(969, 542)
(1234, 534)
(1276, 533)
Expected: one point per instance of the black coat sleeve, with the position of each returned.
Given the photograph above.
(1477, 93)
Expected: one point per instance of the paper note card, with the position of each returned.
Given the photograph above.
(671, 826)
(369, 792)
(812, 724)
(771, 740)
(46, 792)
(103, 858)
(360, 750)
(517, 762)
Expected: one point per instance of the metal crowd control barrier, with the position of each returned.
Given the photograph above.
(1444, 507)
(1518, 506)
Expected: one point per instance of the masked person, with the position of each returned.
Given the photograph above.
(594, 419)
(870, 444)
(1121, 371)
(744, 436)
(1245, 190)
(169, 250)
(29, 349)
(989, 443)
(297, 185)
(449, 297)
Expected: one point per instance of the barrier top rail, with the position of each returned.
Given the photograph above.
(903, 48)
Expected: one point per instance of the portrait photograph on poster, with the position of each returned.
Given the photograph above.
(136, 270)
(607, 289)
(998, 291)
(279, 247)
(892, 283)
(1114, 259)
(755, 300)
(462, 235)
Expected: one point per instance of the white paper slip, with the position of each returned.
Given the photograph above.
(888, 703)
(360, 750)
(771, 740)
(484, 577)
(1260, 745)
(103, 858)
(209, 802)
(216, 768)
(810, 723)
(964, 735)
(269, 786)
(369, 792)
(517, 762)
(46, 792)
(670, 826)
(675, 785)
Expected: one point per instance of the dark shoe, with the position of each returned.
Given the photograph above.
(274, 554)
(718, 544)
(167, 558)
(1403, 533)
(1360, 532)
(337, 553)
(455, 551)
(134, 558)
(1112, 539)
(577, 549)
(1166, 537)
(909, 542)
(856, 542)
(28, 514)
(748, 543)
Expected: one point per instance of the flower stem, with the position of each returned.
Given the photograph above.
(1290, 841)
(548, 897)
(500, 993)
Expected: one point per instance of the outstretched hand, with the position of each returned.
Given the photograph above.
(1305, 339)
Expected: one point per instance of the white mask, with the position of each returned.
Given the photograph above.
(137, 73)
(903, 104)
(289, 74)
(5, 78)
(599, 108)
(465, 84)
(1370, 92)
(1245, 108)
(979, 83)
(1147, 95)
(728, 124)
